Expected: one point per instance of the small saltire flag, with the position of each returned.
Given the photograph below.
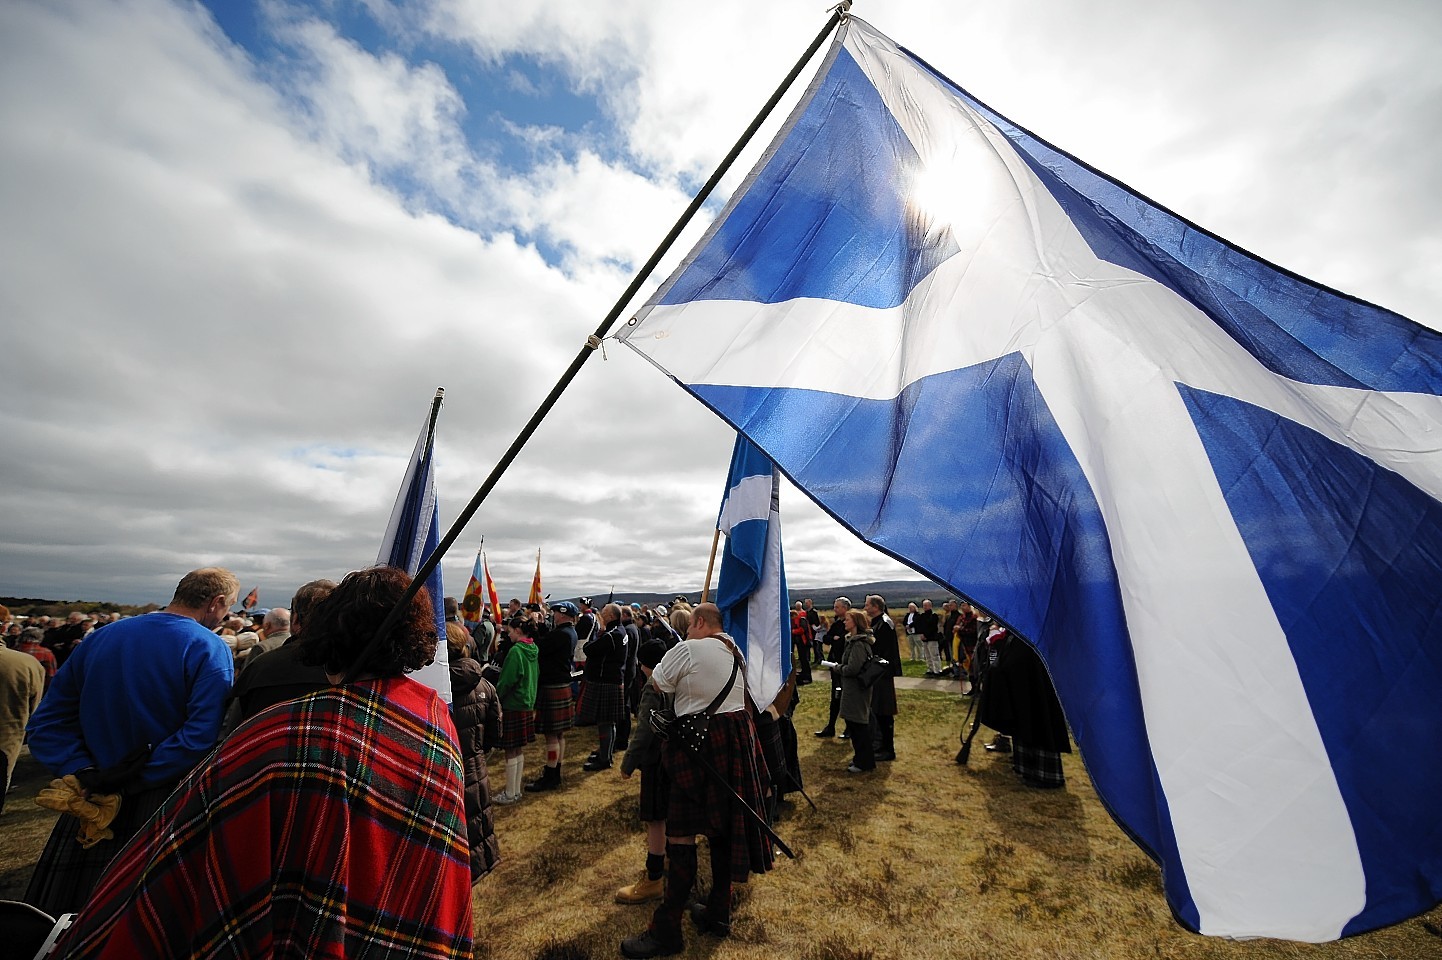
(251, 599)
(536, 582)
(413, 533)
(751, 589)
(474, 601)
(1205, 489)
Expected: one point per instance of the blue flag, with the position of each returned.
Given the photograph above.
(751, 590)
(413, 533)
(1205, 489)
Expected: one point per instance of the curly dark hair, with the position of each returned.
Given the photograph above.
(339, 627)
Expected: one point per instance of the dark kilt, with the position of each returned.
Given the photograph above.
(655, 793)
(699, 805)
(518, 728)
(1037, 767)
(601, 702)
(555, 711)
(67, 873)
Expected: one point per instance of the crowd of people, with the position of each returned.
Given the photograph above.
(317, 697)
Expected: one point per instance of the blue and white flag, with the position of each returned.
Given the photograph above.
(413, 533)
(751, 590)
(1205, 489)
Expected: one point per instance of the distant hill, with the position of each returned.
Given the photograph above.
(898, 593)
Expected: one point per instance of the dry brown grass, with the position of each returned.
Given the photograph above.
(923, 859)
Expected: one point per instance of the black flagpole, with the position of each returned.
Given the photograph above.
(838, 15)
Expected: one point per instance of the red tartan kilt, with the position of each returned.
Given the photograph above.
(555, 712)
(699, 805)
(601, 702)
(518, 728)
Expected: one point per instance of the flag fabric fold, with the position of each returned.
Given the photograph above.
(536, 596)
(473, 603)
(491, 592)
(413, 533)
(751, 587)
(1205, 489)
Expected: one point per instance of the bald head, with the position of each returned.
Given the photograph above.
(705, 621)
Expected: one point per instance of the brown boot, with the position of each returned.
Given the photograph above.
(642, 891)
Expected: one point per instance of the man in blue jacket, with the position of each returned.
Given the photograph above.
(134, 708)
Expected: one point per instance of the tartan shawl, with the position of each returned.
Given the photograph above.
(332, 826)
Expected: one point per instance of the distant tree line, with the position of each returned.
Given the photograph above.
(36, 607)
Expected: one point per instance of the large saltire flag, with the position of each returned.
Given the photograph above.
(751, 589)
(413, 534)
(473, 603)
(1205, 489)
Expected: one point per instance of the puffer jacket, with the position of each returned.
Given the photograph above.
(476, 711)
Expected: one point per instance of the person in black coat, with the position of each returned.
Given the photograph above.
(883, 691)
(476, 712)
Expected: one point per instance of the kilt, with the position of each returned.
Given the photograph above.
(518, 728)
(601, 702)
(67, 873)
(655, 793)
(555, 712)
(1037, 767)
(699, 805)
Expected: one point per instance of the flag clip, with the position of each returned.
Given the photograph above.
(594, 342)
(842, 9)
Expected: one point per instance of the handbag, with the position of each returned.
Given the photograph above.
(690, 729)
(873, 670)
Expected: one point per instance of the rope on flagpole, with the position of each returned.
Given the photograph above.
(838, 16)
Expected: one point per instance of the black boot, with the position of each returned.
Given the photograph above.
(663, 937)
(550, 779)
(714, 916)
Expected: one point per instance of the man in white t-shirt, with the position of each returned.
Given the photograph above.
(696, 673)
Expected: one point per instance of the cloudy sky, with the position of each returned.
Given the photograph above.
(241, 244)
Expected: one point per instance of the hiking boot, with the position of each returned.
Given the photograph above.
(550, 779)
(649, 943)
(642, 891)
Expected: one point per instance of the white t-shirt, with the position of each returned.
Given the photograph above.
(695, 671)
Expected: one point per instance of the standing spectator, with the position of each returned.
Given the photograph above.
(62, 638)
(603, 699)
(281, 675)
(555, 711)
(276, 629)
(333, 828)
(835, 642)
(813, 616)
(855, 698)
(130, 713)
(517, 690)
(22, 681)
(644, 754)
(803, 635)
(883, 691)
(30, 642)
(928, 625)
(913, 636)
(696, 673)
(476, 711)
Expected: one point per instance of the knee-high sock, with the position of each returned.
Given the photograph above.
(515, 766)
(680, 878)
(718, 902)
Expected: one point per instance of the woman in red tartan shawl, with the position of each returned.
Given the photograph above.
(329, 826)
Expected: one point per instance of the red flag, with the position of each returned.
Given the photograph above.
(491, 592)
(536, 581)
(251, 599)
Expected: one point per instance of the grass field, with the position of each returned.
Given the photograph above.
(922, 859)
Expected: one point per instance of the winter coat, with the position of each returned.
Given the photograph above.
(855, 699)
(644, 750)
(883, 692)
(476, 710)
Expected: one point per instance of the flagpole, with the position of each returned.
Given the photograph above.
(838, 15)
(710, 563)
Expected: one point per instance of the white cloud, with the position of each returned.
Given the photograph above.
(225, 304)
